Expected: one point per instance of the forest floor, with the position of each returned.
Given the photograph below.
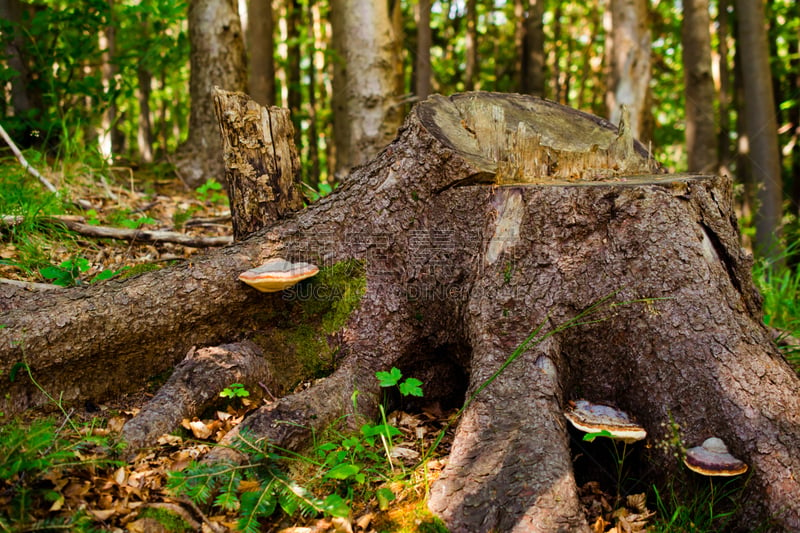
(117, 494)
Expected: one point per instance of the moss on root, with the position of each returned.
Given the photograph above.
(299, 337)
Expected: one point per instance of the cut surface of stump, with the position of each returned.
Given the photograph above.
(490, 217)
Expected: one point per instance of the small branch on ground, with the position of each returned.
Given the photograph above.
(124, 233)
(24, 162)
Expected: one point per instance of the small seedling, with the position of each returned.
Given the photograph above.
(69, 272)
(408, 387)
(209, 192)
(235, 390)
(136, 223)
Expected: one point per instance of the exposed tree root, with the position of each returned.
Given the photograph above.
(193, 386)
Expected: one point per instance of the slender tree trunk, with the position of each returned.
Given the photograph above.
(422, 70)
(471, 80)
(628, 59)
(701, 138)
(109, 142)
(217, 59)
(556, 54)
(144, 131)
(724, 138)
(260, 48)
(533, 49)
(763, 157)
(794, 117)
(366, 114)
(294, 20)
(25, 96)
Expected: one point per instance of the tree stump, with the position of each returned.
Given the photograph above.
(490, 216)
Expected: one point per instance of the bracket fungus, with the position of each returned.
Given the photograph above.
(595, 418)
(713, 459)
(277, 274)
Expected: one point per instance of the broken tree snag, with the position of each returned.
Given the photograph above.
(489, 215)
(194, 385)
(261, 162)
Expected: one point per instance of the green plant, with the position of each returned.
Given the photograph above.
(137, 223)
(619, 459)
(696, 508)
(209, 192)
(235, 390)
(780, 287)
(69, 273)
(35, 456)
(254, 490)
(323, 189)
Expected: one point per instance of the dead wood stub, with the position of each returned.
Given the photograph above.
(496, 261)
(262, 167)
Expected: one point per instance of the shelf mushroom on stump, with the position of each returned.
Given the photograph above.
(712, 458)
(277, 274)
(597, 418)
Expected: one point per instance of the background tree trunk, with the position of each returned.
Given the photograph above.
(701, 139)
(365, 110)
(532, 53)
(762, 155)
(489, 216)
(628, 58)
(260, 49)
(471, 46)
(422, 70)
(217, 59)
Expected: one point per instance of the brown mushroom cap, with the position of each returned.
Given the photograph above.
(594, 418)
(713, 459)
(277, 274)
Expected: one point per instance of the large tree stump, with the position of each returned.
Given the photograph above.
(488, 216)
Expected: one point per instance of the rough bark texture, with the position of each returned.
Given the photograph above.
(628, 56)
(701, 134)
(761, 152)
(422, 63)
(463, 262)
(194, 385)
(366, 114)
(262, 167)
(217, 59)
(532, 67)
(260, 49)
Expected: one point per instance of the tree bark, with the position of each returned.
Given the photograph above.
(488, 217)
(217, 59)
(628, 56)
(532, 52)
(366, 114)
(262, 168)
(471, 71)
(260, 48)
(762, 152)
(422, 65)
(699, 87)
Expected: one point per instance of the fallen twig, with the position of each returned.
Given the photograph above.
(24, 162)
(29, 285)
(77, 224)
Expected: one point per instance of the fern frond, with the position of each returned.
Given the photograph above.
(256, 505)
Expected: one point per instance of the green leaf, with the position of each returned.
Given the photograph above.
(335, 505)
(589, 437)
(227, 501)
(384, 495)
(343, 471)
(411, 387)
(389, 379)
(105, 274)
